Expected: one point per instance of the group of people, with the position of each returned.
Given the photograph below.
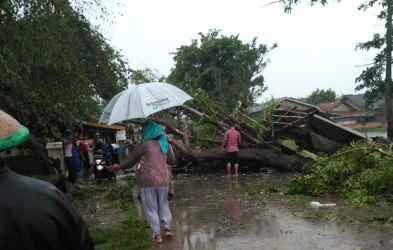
(75, 154)
(36, 215)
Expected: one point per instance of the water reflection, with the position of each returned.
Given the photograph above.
(213, 212)
(234, 208)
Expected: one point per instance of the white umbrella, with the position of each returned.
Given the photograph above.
(142, 100)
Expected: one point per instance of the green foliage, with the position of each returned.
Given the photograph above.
(133, 233)
(252, 191)
(362, 173)
(146, 75)
(266, 119)
(228, 70)
(271, 189)
(122, 196)
(289, 3)
(55, 67)
(373, 77)
(322, 96)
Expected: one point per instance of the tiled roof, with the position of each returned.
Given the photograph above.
(351, 114)
(327, 106)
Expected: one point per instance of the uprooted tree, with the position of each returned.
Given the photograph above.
(224, 75)
(258, 146)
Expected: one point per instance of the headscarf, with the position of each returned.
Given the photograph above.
(74, 153)
(151, 130)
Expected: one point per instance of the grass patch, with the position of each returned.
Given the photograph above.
(381, 129)
(132, 234)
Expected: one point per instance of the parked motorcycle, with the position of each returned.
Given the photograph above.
(100, 167)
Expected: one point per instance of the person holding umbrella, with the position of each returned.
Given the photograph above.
(153, 155)
(34, 214)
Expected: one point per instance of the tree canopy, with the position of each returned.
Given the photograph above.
(322, 96)
(228, 70)
(55, 66)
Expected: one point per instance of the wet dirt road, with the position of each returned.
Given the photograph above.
(214, 212)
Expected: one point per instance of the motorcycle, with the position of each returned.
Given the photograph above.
(100, 167)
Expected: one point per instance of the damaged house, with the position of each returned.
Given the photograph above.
(352, 112)
(302, 127)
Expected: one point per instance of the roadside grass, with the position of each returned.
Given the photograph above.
(133, 233)
(375, 129)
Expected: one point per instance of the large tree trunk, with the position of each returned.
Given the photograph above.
(262, 156)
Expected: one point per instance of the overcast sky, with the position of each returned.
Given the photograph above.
(316, 45)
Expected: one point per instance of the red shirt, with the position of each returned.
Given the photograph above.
(83, 147)
(232, 138)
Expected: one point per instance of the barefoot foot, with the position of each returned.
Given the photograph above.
(157, 239)
(168, 232)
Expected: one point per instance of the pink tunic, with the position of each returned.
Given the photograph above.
(153, 170)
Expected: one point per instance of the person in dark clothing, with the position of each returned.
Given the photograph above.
(34, 214)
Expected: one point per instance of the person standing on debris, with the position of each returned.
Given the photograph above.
(70, 157)
(153, 156)
(84, 154)
(231, 142)
(34, 214)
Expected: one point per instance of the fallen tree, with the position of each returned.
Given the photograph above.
(258, 145)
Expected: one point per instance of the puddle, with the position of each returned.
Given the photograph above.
(213, 212)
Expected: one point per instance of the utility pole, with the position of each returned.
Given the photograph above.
(388, 80)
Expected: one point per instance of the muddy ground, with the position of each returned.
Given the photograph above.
(211, 211)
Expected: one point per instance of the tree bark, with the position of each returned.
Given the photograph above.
(388, 81)
(262, 156)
